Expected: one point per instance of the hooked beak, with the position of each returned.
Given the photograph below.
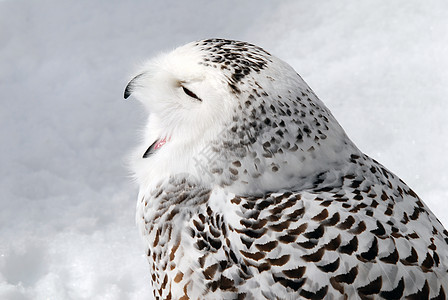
(130, 87)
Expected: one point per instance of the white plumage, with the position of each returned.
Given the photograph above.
(250, 189)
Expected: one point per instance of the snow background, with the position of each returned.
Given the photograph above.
(67, 209)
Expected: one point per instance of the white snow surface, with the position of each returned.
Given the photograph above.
(67, 200)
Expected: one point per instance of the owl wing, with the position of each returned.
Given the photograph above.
(315, 244)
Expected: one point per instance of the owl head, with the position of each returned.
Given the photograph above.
(231, 114)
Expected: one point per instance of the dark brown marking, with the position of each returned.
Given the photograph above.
(380, 229)
(428, 263)
(295, 273)
(348, 277)
(299, 230)
(264, 267)
(411, 259)
(201, 244)
(334, 243)
(372, 288)
(253, 233)
(178, 277)
(358, 197)
(255, 256)
(326, 203)
(214, 232)
(332, 221)
(421, 294)
(413, 235)
(156, 239)
(436, 258)
(320, 294)
(246, 242)
(215, 243)
(358, 207)
(232, 256)
(171, 215)
(224, 264)
(202, 260)
(236, 200)
(265, 203)
(233, 171)
(241, 296)
(314, 257)
(249, 205)
(372, 252)
(283, 206)
(286, 239)
(356, 183)
(307, 244)
(441, 295)
(415, 214)
(316, 233)
(279, 261)
(280, 227)
(295, 285)
(331, 267)
(209, 211)
(347, 224)
(165, 281)
(321, 216)
(337, 286)
(392, 258)
(198, 225)
(254, 225)
(389, 211)
(412, 193)
(267, 247)
(202, 218)
(237, 163)
(432, 247)
(174, 249)
(226, 283)
(359, 229)
(350, 247)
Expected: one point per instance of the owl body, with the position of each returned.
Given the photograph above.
(250, 189)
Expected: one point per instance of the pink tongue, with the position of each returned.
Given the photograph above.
(161, 142)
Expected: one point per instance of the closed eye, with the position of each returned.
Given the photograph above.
(190, 93)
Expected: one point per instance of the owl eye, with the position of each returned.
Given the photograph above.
(190, 93)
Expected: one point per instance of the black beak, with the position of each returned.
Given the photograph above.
(129, 88)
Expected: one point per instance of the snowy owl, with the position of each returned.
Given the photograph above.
(250, 189)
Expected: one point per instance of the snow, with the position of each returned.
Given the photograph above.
(67, 226)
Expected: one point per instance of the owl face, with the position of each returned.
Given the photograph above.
(188, 105)
(185, 99)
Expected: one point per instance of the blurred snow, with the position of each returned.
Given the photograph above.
(67, 203)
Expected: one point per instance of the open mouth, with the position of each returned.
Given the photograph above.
(155, 146)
